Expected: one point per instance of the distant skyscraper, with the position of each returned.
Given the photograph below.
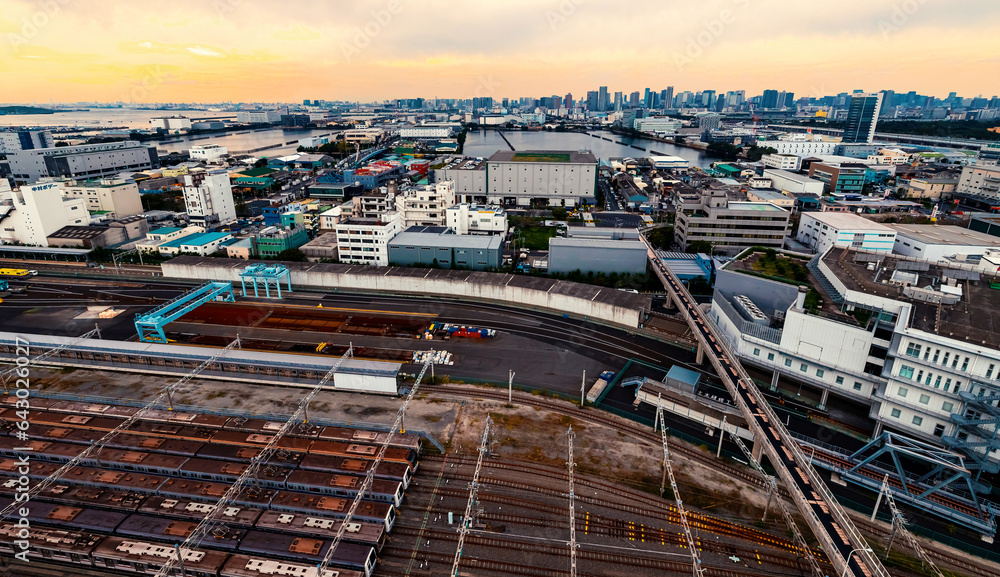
(862, 117)
(789, 101)
(592, 102)
(668, 99)
(887, 108)
(568, 101)
(769, 99)
(647, 99)
(633, 99)
(708, 98)
(602, 98)
(618, 101)
(305, 103)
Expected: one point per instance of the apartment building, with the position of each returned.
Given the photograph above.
(365, 240)
(32, 213)
(790, 162)
(822, 230)
(208, 198)
(117, 198)
(425, 205)
(468, 218)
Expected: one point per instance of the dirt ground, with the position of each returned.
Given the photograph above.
(525, 433)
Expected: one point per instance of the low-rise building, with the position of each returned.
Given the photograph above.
(322, 247)
(777, 161)
(363, 135)
(424, 131)
(792, 183)
(822, 230)
(801, 147)
(258, 116)
(657, 124)
(116, 197)
(440, 246)
(425, 205)
(362, 240)
(208, 198)
(772, 196)
(313, 141)
(375, 174)
(170, 123)
(270, 243)
(932, 188)
(731, 226)
(606, 256)
(15, 140)
(942, 243)
(202, 244)
(468, 218)
(208, 152)
(840, 177)
(82, 162)
(560, 178)
(981, 180)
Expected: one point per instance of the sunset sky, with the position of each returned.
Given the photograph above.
(251, 50)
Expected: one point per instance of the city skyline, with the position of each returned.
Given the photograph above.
(244, 50)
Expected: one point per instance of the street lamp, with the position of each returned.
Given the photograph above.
(848, 565)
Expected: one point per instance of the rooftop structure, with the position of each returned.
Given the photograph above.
(429, 245)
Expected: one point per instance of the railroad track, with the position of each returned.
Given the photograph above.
(956, 561)
(634, 558)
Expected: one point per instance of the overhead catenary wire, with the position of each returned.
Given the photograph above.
(96, 446)
(194, 539)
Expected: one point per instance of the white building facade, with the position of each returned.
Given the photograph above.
(208, 152)
(118, 197)
(208, 198)
(425, 132)
(258, 116)
(661, 124)
(801, 147)
(425, 205)
(33, 212)
(786, 181)
(366, 240)
(823, 230)
(468, 218)
(789, 162)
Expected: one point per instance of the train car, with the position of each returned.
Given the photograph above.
(145, 557)
(17, 272)
(248, 425)
(401, 440)
(257, 497)
(363, 532)
(116, 459)
(392, 471)
(37, 403)
(333, 507)
(360, 451)
(293, 444)
(224, 537)
(58, 545)
(348, 555)
(188, 509)
(126, 441)
(244, 454)
(268, 475)
(137, 482)
(251, 566)
(107, 498)
(70, 517)
(338, 485)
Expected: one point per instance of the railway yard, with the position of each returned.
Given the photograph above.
(123, 509)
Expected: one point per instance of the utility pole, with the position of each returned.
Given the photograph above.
(696, 568)
(572, 509)
(722, 431)
(583, 386)
(510, 389)
(484, 446)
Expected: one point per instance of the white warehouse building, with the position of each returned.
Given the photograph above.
(208, 152)
(822, 230)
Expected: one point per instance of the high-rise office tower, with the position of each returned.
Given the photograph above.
(592, 100)
(862, 117)
(647, 99)
(769, 99)
(618, 101)
(708, 98)
(568, 101)
(602, 98)
(633, 99)
(668, 99)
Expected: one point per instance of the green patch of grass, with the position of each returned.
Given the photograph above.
(540, 157)
(535, 237)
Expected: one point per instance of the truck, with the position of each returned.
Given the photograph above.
(601, 384)
(449, 330)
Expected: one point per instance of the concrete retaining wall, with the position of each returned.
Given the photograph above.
(579, 300)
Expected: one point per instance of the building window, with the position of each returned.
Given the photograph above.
(756, 352)
(913, 350)
(906, 372)
(944, 361)
(803, 367)
(857, 386)
(937, 382)
(770, 356)
(938, 430)
(937, 353)
(788, 362)
(989, 371)
(918, 420)
(895, 413)
(820, 373)
(965, 364)
(947, 407)
(840, 380)
(925, 399)
(947, 385)
(902, 391)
